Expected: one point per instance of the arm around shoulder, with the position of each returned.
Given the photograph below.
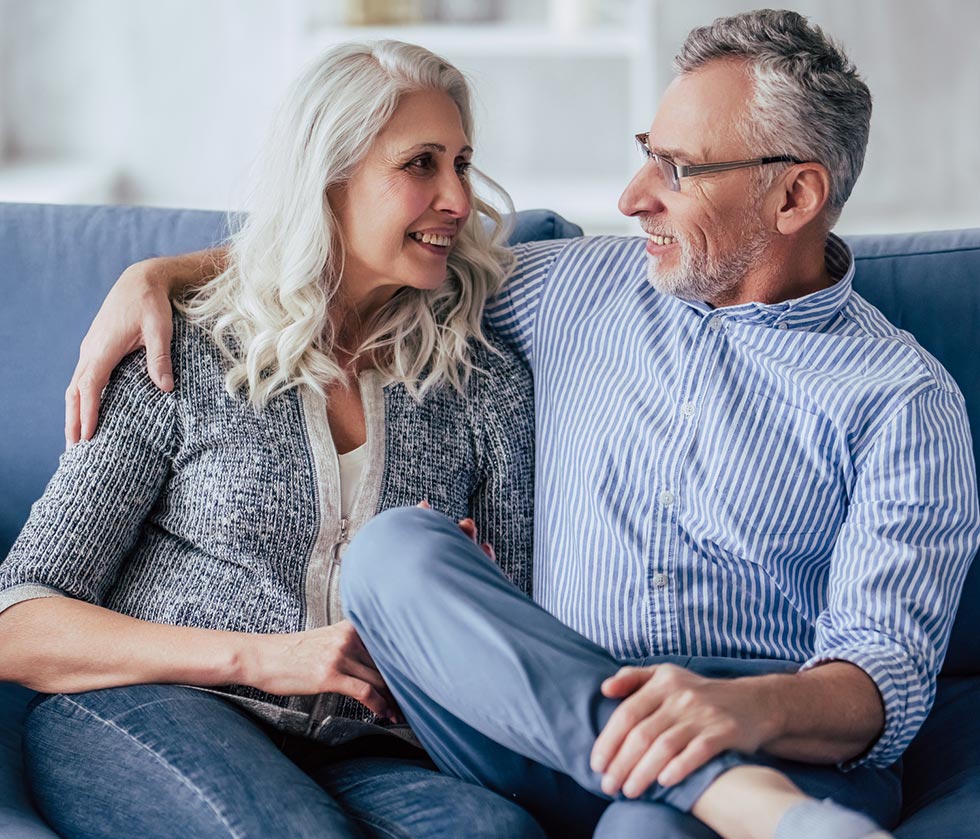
(136, 313)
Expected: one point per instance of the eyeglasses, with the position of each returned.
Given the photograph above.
(673, 172)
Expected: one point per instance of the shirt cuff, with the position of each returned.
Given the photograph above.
(26, 591)
(906, 693)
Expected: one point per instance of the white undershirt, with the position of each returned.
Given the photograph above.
(351, 471)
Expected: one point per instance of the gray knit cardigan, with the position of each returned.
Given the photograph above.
(190, 508)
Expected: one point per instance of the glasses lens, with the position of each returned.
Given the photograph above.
(669, 173)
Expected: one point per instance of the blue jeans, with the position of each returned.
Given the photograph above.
(503, 694)
(163, 761)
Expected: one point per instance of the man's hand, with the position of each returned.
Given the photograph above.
(135, 313)
(673, 721)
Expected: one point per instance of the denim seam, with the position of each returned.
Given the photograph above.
(180, 775)
(380, 825)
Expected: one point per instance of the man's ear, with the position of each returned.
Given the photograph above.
(800, 196)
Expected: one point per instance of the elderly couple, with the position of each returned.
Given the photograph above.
(755, 498)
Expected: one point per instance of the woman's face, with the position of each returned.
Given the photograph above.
(401, 211)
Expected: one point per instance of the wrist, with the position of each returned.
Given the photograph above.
(245, 662)
(763, 694)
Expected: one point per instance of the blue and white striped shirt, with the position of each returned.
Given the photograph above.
(791, 481)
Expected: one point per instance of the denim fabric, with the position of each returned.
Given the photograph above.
(159, 761)
(503, 694)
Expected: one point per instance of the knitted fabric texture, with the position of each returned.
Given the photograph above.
(190, 508)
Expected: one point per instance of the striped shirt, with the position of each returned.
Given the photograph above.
(792, 480)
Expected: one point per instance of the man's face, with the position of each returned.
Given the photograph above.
(707, 238)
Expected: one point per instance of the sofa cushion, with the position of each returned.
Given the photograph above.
(18, 820)
(941, 786)
(929, 284)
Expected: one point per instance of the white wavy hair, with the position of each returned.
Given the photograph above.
(270, 311)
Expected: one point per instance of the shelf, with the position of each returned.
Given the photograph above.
(493, 40)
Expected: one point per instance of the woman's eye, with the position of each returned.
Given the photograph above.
(463, 167)
(420, 164)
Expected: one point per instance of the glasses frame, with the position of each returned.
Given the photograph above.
(675, 171)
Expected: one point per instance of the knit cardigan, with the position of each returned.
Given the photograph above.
(191, 508)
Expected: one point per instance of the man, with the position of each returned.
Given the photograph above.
(742, 469)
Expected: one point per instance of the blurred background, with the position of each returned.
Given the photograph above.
(166, 103)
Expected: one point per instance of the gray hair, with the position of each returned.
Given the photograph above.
(809, 100)
(270, 312)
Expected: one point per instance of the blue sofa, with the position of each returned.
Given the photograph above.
(56, 264)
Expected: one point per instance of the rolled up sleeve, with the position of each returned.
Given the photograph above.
(901, 558)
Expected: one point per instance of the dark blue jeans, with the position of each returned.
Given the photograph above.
(503, 694)
(162, 761)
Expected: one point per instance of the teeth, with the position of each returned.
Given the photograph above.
(662, 240)
(433, 239)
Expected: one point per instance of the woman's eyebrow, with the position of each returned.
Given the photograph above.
(439, 147)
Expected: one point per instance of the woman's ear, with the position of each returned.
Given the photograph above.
(801, 195)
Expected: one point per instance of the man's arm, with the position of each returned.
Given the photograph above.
(896, 574)
(672, 721)
(136, 313)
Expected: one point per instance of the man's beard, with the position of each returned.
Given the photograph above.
(701, 277)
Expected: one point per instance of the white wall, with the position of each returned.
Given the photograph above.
(177, 95)
(4, 76)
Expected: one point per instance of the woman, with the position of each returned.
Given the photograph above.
(335, 368)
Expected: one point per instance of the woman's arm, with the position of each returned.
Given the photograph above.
(502, 504)
(62, 645)
(136, 313)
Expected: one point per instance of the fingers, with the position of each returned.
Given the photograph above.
(629, 714)
(701, 749)
(628, 680)
(641, 770)
(368, 695)
(468, 526)
(158, 333)
(90, 386)
(73, 422)
(425, 505)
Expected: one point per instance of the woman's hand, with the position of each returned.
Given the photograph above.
(330, 659)
(135, 313)
(468, 526)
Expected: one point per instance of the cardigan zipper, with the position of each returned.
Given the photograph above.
(320, 703)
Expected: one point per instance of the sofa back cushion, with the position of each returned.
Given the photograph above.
(56, 265)
(57, 262)
(929, 285)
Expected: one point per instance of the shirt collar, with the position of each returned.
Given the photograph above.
(805, 312)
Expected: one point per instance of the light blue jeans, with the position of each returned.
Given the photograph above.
(503, 694)
(161, 761)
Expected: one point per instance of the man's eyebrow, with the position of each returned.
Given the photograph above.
(674, 154)
(439, 147)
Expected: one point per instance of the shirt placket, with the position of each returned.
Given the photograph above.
(667, 570)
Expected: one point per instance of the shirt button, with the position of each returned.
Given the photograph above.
(687, 409)
(780, 326)
(716, 324)
(660, 580)
(666, 498)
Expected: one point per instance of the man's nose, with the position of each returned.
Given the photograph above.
(643, 192)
